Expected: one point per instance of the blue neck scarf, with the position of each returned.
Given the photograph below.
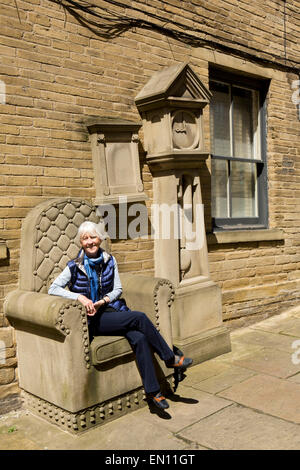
(90, 267)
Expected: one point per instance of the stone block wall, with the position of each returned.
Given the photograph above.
(58, 74)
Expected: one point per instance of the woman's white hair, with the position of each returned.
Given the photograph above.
(92, 229)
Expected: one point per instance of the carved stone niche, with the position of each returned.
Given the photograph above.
(116, 161)
(171, 106)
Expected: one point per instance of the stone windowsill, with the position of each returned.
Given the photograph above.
(3, 249)
(239, 236)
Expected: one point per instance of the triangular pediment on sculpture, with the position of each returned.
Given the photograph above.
(178, 82)
(171, 105)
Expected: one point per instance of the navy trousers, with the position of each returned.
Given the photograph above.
(141, 334)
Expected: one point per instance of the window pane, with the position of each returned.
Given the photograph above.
(219, 188)
(219, 119)
(243, 189)
(242, 123)
(256, 125)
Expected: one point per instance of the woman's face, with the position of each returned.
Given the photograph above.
(90, 243)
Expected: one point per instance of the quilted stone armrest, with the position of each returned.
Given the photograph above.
(152, 296)
(26, 310)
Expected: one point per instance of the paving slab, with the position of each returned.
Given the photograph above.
(238, 350)
(15, 441)
(11, 435)
(229, 376)
(294, 330)
(268, 339)
(144, 429)
(204, 371)
(129, 432)
(185, 409)
(245, 399)
(240, 428)
(268, 394)
(278, 323)
(295, 378)
(296, 313)
(270, 361)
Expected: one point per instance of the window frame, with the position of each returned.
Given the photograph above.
(261, 86)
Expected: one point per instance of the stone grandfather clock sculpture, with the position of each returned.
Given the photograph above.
(171, 106)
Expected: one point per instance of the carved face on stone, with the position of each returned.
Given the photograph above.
(90, 243)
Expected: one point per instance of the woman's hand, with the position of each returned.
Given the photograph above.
(102, 302)
(99, 304)
(88, 304)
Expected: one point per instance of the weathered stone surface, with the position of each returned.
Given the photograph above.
(6, 337)
(276, 325)
(270, 361)
(3, 249)
(130, 433)
(293, 330)
(295, 378)
(238, 350)
(13, 441)
(267, 339)
(46, 360)
(186, 406)
(239, 428)
(7, 375)
(227, 378)
(258, 412)
(204, 371)
(268, 394)
(10, 403)
(9, 389)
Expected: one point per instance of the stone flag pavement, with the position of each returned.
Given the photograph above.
(248, 399)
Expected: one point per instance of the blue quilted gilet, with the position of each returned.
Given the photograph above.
(107, 277)
(80, 282)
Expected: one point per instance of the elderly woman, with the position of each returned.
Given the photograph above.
(93, 280)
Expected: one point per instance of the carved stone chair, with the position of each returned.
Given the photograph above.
(63, 377)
